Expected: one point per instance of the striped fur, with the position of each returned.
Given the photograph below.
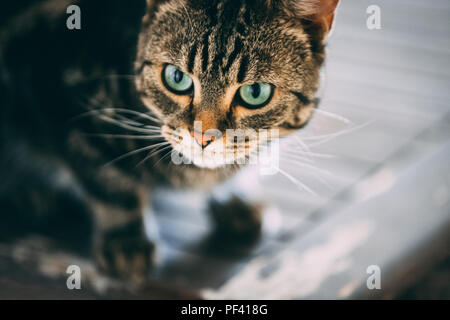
(60, 89)
(225, 44)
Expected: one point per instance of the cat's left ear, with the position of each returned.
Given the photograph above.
(152, 6)
(317, 16)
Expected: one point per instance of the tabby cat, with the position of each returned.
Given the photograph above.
(90, 118)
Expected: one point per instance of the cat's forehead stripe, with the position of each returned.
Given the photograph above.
(205, 51)
(191, 57)
(222, 32)
(236, 51)
(233, 42)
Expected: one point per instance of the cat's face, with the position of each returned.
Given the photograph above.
(208, 66)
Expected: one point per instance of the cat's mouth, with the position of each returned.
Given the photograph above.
(217, 154)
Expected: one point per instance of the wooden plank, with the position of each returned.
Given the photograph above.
(331, 261)
(397, 77)
(35, 268)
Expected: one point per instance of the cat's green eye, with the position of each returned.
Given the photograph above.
(176, 80)
(256, 95)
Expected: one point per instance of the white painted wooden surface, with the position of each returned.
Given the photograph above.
(388, 91)
(392, 87)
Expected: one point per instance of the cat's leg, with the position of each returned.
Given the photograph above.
(237, 208)
(121, 247)
(118, 200)
(236, 219)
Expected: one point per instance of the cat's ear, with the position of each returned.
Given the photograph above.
(152, 6)
(317, 16)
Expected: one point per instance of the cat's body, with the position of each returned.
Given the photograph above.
(74, 100)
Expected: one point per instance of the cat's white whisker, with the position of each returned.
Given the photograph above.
(116, 111)
(296, 181)
(334, 116)
(299, 154)
(313, 155)
(325, 138)
(139, 114)
(304, 147)
(316, 172)
(169, 153)
(128, 121)
(132, 112)
(301, 143)
(123, 125)
(152, 127)
(133, 123)
(187, 14)
(131, 153)
(154, 152)
(124, 136)
(309, 165)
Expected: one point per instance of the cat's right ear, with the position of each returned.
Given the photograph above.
(316, 16)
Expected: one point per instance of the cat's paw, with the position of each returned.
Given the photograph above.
(128, 258)
(236, 220)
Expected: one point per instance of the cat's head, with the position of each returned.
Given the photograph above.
(208, 66)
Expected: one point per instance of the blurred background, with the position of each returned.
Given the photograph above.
(366, 184)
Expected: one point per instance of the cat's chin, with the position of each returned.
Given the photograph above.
(205, 161)
(207, 164)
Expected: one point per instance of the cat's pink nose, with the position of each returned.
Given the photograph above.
(203, 139)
